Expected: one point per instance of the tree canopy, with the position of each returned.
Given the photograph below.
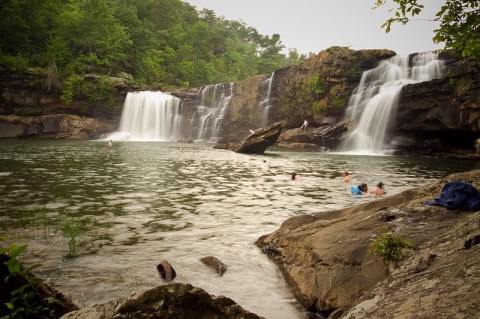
(160, 42)
(459, 23)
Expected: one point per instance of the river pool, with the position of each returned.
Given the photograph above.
(180, 202)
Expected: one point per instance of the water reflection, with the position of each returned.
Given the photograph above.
(182, 202)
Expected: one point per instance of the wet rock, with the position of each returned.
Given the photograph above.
(215, 263)
(166, 271)
(171, 301)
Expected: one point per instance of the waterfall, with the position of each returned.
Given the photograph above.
(214, 101)
(150, 116)
(265, 103)
(373, 103)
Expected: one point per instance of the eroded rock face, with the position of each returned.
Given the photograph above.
(442, 115)
(325, 257)
(55, 126)
(172, 301)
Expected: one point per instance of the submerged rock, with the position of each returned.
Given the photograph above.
(215, 263)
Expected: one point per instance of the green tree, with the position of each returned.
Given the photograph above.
(459, 23)
(167, 43)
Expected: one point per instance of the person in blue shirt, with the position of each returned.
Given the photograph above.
(359, 190)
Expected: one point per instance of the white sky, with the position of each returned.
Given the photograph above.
(315, 25)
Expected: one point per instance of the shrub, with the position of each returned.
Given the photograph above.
(389, 247)
(26, 301)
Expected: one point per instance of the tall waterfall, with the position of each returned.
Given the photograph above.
(373, 103)
(150, 116)
(265, 103)
(214, 101)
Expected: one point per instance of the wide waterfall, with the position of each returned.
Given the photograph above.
(373, 103)
(150, 116)
(214, 101)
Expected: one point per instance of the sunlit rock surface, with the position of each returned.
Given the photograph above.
(325, 257)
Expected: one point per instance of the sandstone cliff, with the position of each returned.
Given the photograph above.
(325, 258)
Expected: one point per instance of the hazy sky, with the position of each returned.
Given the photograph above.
(315, 25)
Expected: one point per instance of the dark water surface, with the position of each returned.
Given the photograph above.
(181, 202)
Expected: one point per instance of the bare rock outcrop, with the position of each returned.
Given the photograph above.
(55, 126)
(171, 301)
(325, 257)
(259, 141)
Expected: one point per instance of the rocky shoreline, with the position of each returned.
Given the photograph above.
(325, 258)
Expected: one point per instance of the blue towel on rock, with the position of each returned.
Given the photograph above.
(458, 195)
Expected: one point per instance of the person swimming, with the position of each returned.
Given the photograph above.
(294, 177)
(346, 178)
(359, 190)
(378, 190)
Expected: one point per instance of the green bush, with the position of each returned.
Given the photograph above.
(389, 247)
(14, 63)
(98, 92)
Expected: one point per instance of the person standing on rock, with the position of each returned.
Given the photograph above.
(304, 126)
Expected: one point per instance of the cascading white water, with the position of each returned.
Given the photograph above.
(265, 103)
(373, 103)
(150, 116)
(214, 101)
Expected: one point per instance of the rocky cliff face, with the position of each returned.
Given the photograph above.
(30, 108)
(317, 89)
(439, 116)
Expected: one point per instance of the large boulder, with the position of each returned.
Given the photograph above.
(259, 141)
(325, 257)
(171, 301)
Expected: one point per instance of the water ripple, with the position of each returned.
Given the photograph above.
(181, 202)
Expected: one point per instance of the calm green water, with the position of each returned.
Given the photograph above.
(181, 202)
